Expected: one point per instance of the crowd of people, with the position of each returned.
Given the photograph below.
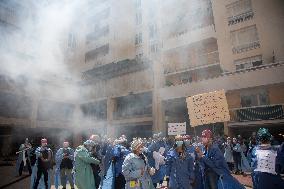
(181, 162)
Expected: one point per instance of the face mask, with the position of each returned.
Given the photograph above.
(179, 143)
(187, 143)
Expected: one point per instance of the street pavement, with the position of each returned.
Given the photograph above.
(9, 180)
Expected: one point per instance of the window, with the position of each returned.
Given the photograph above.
(248, 62)
(71, 41)
(152, 31)
(254, 98)
(245, 39)
(139, 18)
(154, 48)
(138, 38)
(137, 3)
(139, 52)
(139, 56)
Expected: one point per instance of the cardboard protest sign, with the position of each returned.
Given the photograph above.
(208, 108)
(176, 128)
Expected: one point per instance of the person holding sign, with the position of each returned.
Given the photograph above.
(266, 163)
(179, 166)
(216, 171)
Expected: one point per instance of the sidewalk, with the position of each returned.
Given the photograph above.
(246, 181)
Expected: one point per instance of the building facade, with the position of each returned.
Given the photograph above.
(133, 63)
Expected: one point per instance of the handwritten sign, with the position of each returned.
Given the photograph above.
(208, 108)
(176, 128)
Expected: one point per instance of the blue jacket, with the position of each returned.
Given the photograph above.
(180, 171)
(132, 171)
(159, 174)
(215, 164)
(119, 153)
(58, 159)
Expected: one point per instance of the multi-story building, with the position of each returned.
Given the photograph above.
(135, 62)
(195, 47)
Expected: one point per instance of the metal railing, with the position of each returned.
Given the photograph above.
(133, 113)
(240, 18)
(204, 60)
(246, 47)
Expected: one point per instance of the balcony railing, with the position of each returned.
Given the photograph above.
(246, 47)
(204, 60)
(257, 113)
(240, 18)
(134, 113)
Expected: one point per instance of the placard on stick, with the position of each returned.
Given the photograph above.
(208, 108)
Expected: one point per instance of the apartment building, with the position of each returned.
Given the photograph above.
(184, 48)
(134, 62)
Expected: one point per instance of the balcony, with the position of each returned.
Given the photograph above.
(257, 113)
(187, 37)
(203, 61)
(273, 73)
(240, 18)
(116, 69)
(246, 47)
(134, 113)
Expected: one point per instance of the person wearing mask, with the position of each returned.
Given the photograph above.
(84, 177)
(136, 169)
(216, 171)
(43, 164)
(64, 164)
(179, 166)
(24, 157)
(189, 146)
(266, 163)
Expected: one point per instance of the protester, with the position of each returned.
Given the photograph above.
(84, 176)
(228, 146)
(24, 157)
(216, 171)
(43, 164)
(265, 162)
(136, 169)
(119, 153)
(64, 164)
(179, 166)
